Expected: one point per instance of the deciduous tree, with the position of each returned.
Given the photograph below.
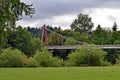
(101, 36)
(10, 12)
(83, 24)
(21, 39)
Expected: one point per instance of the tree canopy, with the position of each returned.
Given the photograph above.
(10, 12)
(114, 28)
(83, 24)
(20, 39)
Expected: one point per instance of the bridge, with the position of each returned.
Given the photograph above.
(79, 46)
(44, 38)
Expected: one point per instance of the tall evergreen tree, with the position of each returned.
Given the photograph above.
(114, 28)
(99, 26)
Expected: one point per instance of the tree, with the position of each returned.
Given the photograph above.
(99, 26)
(2, 37)
(101, 36)
(114, 54)
(35, 32)
(66, 32)
(21, 39)
(36, 45)
(84, 37)
(114, 26)
(115, 37)
(55, 39)
(70, 41)
(83, 24)
(10, 12)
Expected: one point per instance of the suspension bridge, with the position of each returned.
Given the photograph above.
(44, 38)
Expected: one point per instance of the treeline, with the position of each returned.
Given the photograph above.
(99, 36)
(43, 58)
(81, 31)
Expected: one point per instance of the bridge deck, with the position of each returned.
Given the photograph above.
(75, 47)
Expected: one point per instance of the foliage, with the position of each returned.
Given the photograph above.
(115, 37)
(99, 26)
(55, 39)
(82, 24)
(76, 35)
(35, 32)
(25, 58)
(21, 39)
(66, 32)
(44, 58)
(117, 42)
(57, 62)
(11, 58)
(114, 28)
(101, 36)
(70, 41)
(10, 12)
(36, 45)
(118, 60)
(84, 37)
(113, 56)
(2, 37)
(32, 62)
(88, 54)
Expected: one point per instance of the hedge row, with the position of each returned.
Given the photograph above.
(15, 58)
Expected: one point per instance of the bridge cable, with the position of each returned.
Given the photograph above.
(61, 35)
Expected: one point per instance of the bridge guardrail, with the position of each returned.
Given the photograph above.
(79, 46)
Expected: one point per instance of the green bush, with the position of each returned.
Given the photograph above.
(57, 62)
(11, 58)
(87, 54)
(32, 62)
(43, 57)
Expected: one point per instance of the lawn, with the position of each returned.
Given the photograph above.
(64, 73)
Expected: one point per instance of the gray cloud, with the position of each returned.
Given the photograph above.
(112, 18)
(47, 9)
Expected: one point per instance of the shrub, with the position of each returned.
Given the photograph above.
(87, 53)
(25, 58)
(43, 57)
(11, 58)
(32, 62)
(57, 62)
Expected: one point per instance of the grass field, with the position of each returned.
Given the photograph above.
(67, 73)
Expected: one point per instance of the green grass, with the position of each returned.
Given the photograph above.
(65, 73)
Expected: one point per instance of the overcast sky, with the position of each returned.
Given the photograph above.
(63, 12)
